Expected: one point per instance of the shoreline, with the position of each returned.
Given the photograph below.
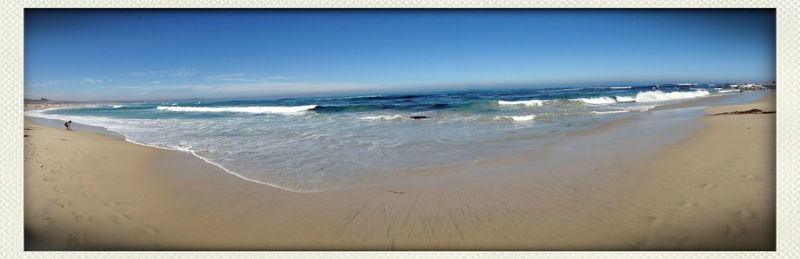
(605, 126)
(181, 204)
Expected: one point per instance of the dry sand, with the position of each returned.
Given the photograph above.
(711, 191)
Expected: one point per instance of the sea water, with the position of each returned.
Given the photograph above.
(314, 144)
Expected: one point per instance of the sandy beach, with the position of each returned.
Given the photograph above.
(712, 190)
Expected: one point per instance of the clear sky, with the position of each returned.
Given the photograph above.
(163, 54)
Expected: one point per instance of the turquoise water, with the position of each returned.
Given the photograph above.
(314, 144)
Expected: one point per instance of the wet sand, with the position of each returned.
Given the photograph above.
(712, 190)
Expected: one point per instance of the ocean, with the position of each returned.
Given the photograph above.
(314, 144)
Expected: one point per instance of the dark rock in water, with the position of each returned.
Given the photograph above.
(751, 111)
(417, 117)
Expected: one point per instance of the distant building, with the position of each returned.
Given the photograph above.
(750, 86)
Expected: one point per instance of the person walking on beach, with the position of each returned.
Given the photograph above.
(66, 124)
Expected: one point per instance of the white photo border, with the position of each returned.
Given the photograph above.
(11, 110)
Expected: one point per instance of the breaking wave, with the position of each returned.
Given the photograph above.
(382, 117)
(248, 109)
(659, 96)
(516, 118)
(526, 103)
(608, 112)
(597, 100)
(625, 99)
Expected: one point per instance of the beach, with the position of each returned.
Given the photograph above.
(713, 189)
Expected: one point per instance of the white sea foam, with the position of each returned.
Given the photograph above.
(625, 99)
(727, 91)
(608, 112)
(659, 96)
(382, 117)
(620, 87)
(516, 118)
(182, 147)
(247, 109)
(564, 89)
(526, 103)
(348, 97)
(117, 106)
(642, 108)
(597, 100)
(188, 149)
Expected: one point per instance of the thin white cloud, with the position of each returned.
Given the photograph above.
(88, 80)
(150, 85)
(181, 73)
(224, 90)
(48, 83)
(231, 77)
(276, 78)
(260, 89)
(162, 73)
(123, 87)
(228, 75)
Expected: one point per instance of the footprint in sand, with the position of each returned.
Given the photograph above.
(48, 179)
(750, 177)
(655, 220)
(88, 194)
(121, 218)
(708, 186)
(745, 215)
(680, 239)
(152, 230)
(111, 204)
(56, 189)
(77, 217)
(725, 230)
(689, 204)
(640, 244)
(735, 231)
(77, 239)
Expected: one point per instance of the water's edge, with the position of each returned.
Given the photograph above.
(618, 124)
(99, 130)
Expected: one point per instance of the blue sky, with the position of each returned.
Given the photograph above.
(166, 54)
